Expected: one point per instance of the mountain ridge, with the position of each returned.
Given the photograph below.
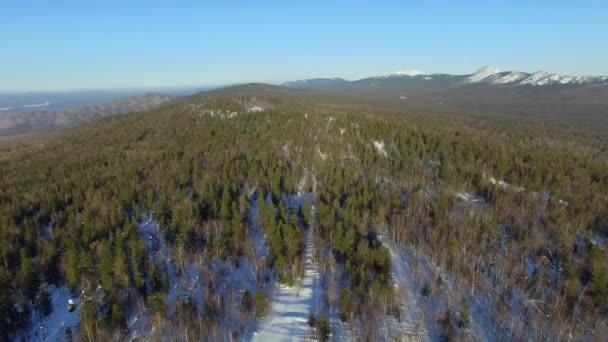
(486, 74)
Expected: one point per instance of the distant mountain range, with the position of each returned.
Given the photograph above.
(487, 75)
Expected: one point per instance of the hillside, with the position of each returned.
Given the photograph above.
(252, 211)
(14, 124)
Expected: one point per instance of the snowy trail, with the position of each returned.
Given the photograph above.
(288, 320)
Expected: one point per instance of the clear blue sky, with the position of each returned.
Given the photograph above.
(59, 45)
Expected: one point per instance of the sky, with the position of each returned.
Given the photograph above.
(75, 45)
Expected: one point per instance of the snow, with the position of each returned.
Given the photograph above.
(510, 77)
(427, 78)
(302, 184)
(53, 326)
(381, 148)
(5, 108)
(411, 72)
(400, 73)
(504, 185)
(291, 306)
(410, 271)
(188, 285)
(483, 73)
(254, 109)
(403, 97)
(221, 114)
(288, 318)
(493, 75)
(411, 322)
(489, 74)
(182, 285)
(465, 200)
(37, 105)
(598, 239)
(541, 78)
(321, 154)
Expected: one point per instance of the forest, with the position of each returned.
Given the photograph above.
(181, 222)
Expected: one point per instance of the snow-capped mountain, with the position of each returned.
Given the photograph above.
(483, 73)
(493, 75)
(486, 75)
(403, 73)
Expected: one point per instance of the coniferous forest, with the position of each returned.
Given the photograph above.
(193, 220)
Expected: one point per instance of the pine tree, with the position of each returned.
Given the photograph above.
(118, 320)
(27, 273)
(71, 267)
(260, 304)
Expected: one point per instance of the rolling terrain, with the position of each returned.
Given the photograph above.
(488, 91)
(337, 212)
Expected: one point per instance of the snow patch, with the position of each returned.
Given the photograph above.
(5, 108)
(321, 154)
(254, 108)
(483, 72)
(381, 148)
(410, 72)
(53, 327)
(469, 197)
(504, 185)
(37, 105)
(510, 77)
(221, 114)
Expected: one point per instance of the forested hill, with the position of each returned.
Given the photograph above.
(197, 217)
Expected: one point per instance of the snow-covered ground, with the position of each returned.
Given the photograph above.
(254, 108)
(183, 285)
(381, 148)
(291, 306)
(411, 325)
(53, 327)
(288, 318)
(419, 314)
